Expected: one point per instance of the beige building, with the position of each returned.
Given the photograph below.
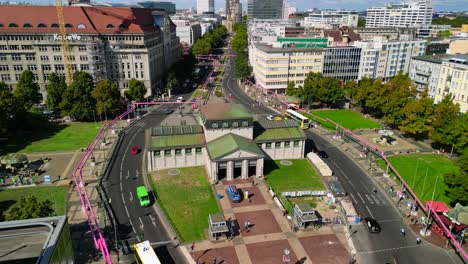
(229, 142)
(458, 46)
(110, 43)
(453, 79)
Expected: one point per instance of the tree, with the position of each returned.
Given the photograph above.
(361, 22)
(28, 207)
(136, 91)
(462, 141)
(9, 108)
(27, 90)
(55, 90)
(350, 89)
(171, 80)
(311, 87)
(418, 116)
(241, 66)
(445, 34)
(201, 46)
(399, 91)
(107, 97)
(291, 89)
(457, 181)
(445, 122)
(77, 100)
(330, 91)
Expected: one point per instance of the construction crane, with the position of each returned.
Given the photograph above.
(64, 43)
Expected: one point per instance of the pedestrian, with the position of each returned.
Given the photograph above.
(214, 260)
(375, 191)
(403, 232)
(192, 247)
(58, 178)
(418, 240)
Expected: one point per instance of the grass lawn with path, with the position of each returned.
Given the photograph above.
(347, 118)
(300, 176)
(56, 194)
(187, 200)
(413, 170)
(63, 137)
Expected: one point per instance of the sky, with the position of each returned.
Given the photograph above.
(440, 5)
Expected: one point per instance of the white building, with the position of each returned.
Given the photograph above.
(334, 18)
(411, 14)
(453, 79)
(188, 29)
(431, 31)
(205, 6)
(384, 59)
(425, 71)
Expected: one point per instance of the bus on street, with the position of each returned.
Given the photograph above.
(145, 253)
(304, 122)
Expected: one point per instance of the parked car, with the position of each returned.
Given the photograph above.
(322, 154)
(278, 118)
(134, 149)
(234, 194)
(180, 99)
(372, 225)
(337, 189)
(270, 117)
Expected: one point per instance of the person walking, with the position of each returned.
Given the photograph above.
(403, 232)
(192, 247)
(214, 260)
(418, 240)
(374, 191)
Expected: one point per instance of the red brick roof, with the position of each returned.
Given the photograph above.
(104, 20)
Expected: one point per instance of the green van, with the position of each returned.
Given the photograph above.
(143, 196)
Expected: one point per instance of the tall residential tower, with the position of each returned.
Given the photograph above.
(410, 14)
(265, 9)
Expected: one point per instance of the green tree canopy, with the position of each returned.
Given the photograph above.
(9, 109)
(171, 80)
(27, 90)
(399, 91)
(457, 181)
(201, 46)
(107, 97)
(28, 207)
(136, 91)
(418, 116)
(55, 89)
(446, 122)
(458, 21)
(241, 65)
(77, 101)
(291, 89)
(330, 91)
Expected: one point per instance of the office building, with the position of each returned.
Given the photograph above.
(264, 9)
(205, 6)
(411, 14)
(453, 80)
(290, 59)
(39, 240)
(333, 18)
(102, 40)
(341, 62)
(431, 31)
(425, 71)
(169, 7)
(386, 34)
(187, 29)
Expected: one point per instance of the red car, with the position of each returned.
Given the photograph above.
(135, 149)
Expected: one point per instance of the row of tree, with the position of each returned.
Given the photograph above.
(395, 102)
(457, 181)
(210, 40)
(458, 21)
(317, 88)
(81, 100)
(239, 45)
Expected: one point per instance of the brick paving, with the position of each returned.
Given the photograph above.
(262, 222)
(225, 255)
(325, 249)
(254, 194)
(270, 252)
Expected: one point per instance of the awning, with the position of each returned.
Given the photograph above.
(439, 207)
(455, 228)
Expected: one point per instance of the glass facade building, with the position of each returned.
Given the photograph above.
(265, 9)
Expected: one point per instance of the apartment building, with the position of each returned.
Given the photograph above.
(264, 9)
(425, 71)
(453, 79)
(103, 41)
(431, 31)
(187, 29)
(169, 7)
(333, 18)
(384, 59)
(275, 66)
(369, 34)
(342, 62)
(409, 14)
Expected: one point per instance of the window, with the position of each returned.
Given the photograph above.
(46, 67)
(225, 124)
(84, 67)
(55, 25)
(59, 67)
(167, 152)
(44, 58)
(188, 151)
(27, 25)
(12, 25)
(235, 124)
(17, 77)
(32, 67)
(57, 57)
(82, 48)
(3, 57)
(296, 143)
(259, 145)
(268, 145)
(81, 26)
(18, 67)
(110, 26)
(14, 47)
(157, 153)
(287, 144)
(198, 150)
(68, 25)
(56, 48)
(4, 68)
(16, 57)
(5, 77)
(30, 57)
(277, 144)
(214, 125)
(245, 123)
(178, 151)
(42, 25)
(42, 48)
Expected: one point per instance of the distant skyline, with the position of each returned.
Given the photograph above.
(439, 5)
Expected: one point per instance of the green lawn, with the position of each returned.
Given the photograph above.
(56, 194)
(187, 200)
(347, 118)
(66, 137)
(300, 176)
(435, 165)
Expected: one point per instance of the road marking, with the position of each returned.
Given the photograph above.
(126, 210)
(362, 199)
(141, 223)
(136, 174)
(370, 212)
(153, 220)
(133, 228)
(370, 199)
(388, 249)
(131, 196)
(352, 196)
(128, 175)
(377, 201)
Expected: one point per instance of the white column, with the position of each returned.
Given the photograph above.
(230, 170)
(245, 169)
(259, 168)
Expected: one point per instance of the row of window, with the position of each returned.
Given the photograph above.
(168, 152)
(287, 144)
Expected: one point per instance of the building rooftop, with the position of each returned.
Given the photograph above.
(176, 130)
(437, 58)
(230, 143)
(297, 48)
(217, 218)
(277, 134)
(78, 19)
(31, 240)
(222, 111)
(189, 140)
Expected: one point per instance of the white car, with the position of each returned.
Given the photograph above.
(270, 117)
(194, 85)
(180, 99)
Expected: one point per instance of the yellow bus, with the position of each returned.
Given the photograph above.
(303, 121)
(145, 253)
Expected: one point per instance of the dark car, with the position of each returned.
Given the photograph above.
(337, 189)
(372, 225)
(322, 154)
